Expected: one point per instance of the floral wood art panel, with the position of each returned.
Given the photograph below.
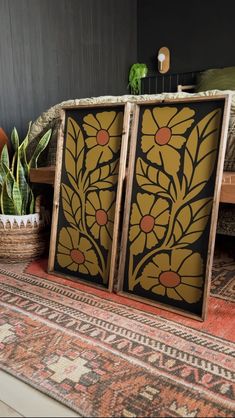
(87, 195)
(169, 202)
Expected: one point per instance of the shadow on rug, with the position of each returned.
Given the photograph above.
(106, 356)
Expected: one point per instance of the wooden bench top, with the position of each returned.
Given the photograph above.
(46, 175)
(227, 194)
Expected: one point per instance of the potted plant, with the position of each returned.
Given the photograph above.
(137, 71)
(21, 227)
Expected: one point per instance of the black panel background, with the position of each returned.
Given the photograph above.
(201, 109)
(78, 115)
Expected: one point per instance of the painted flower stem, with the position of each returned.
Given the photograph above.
(85, 232)
(164, 247)
(132, 277)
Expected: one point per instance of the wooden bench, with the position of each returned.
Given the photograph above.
(46, 175)
(227, 194)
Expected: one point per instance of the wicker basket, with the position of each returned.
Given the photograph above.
(22, 238)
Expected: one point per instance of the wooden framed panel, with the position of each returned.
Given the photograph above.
(90, 170)
(171, 205)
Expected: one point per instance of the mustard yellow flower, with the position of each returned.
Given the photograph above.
(100, 209)
(177, 275)
(162, 130)
(104, 132)
(148, 221)
(75, 252)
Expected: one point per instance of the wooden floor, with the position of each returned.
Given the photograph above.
(7, 411)
(18, 399)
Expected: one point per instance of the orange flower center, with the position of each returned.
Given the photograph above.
(169, 279)
(147, 223)
(102, 137)
(163, 136)
(77, 256)
(101, 217)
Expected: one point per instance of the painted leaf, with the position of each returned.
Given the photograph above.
(204, 169)
(191, 221)
(74, 150)
(104, 177)
(150, 178)
(195, 190)
(71, 205)
(201, 150)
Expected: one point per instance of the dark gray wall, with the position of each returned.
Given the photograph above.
(200, 34)
(54, 50)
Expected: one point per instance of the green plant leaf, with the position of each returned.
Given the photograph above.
(15, 139)
(2, 174)
(9, 181)
(24, 188)
(16, 195)
(7, 204)
(4, 160)
(25, 142)
(22, 153)
(137, 71)
(17, 199)
(39, 149)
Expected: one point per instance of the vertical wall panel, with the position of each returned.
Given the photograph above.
(200, 34)
(54, 50)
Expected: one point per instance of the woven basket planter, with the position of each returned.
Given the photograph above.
(22, 238)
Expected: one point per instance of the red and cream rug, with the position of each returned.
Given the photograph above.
(106, 356)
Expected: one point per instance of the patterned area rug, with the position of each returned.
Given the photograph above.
(223, 271)
(223, 279)
(106, 356)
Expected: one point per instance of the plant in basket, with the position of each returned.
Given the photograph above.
(21, 227)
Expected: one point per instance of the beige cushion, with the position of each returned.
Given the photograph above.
(216, 78)
(50, 119)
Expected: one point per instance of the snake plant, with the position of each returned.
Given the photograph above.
(137, 71)
(16, 194)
